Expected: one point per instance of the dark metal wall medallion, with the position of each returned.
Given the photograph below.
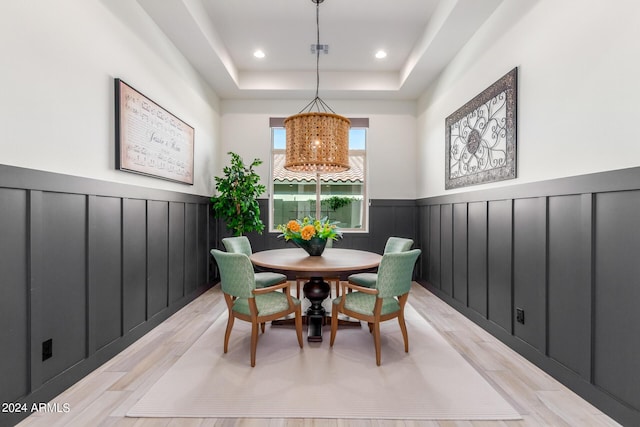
(481, 136)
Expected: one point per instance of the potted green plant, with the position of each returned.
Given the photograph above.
(237, 199)
(336, 202)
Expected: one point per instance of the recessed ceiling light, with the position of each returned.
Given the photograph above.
(381, 54)
(259, 54)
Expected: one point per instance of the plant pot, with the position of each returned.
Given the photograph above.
(314, 247)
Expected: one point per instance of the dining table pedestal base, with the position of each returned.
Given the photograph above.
(316, 290)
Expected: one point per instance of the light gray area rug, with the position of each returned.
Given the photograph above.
(431, 382)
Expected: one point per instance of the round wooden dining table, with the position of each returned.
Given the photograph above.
(333, 261)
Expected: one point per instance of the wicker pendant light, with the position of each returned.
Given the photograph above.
(317, 141)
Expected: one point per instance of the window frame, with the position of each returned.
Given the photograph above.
(357, 123)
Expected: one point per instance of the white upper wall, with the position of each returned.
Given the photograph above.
(59, 61)
(578, 92)
(579, 87)
(391, 139)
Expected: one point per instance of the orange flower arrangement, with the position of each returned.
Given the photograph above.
(307, 228)
(293, 225)
(308, 231)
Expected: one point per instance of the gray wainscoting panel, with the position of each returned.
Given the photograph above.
(404, 220)
(176, 251)
(529, 253)
(435, 274)
(499, 263)
(134, 263)
(460, 252)
(75, 257)
(191, 247)
(477, 268)
(570, 283)
(14, 320)
(566, 252)
(61, 281)
(381, 219)
(203, 254)
(105, 272)
(446, 249)
(617, 295)
(424, 260)
(157, 256)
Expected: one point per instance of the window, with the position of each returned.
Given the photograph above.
(339, 196)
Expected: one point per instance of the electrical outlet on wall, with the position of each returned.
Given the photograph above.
(47, 349)
(520, 315)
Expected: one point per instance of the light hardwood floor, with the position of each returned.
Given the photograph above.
(103, 397)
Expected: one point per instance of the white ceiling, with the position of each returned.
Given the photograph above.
(219, 37)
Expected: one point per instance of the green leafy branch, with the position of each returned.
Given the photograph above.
(336, 202)
(237, 200)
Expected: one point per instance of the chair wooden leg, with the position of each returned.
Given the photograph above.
(334, 325)
(376, 341)
(298, 288)
(299, 324)
(262, 327)
(403, 328)
(254, 342)
(227, 333)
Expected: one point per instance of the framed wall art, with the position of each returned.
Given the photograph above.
(481, 136)
(149, 139)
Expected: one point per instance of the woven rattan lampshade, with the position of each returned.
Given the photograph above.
(317, 142)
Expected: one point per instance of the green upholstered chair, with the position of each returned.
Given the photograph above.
(394, 244)
(384, 302)
(397, 244)
(241, 245)
(247, 302)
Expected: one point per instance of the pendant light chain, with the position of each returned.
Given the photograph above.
(317, 102)
(317, 49)
(317, 141)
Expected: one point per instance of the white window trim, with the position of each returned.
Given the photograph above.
(357, 122)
